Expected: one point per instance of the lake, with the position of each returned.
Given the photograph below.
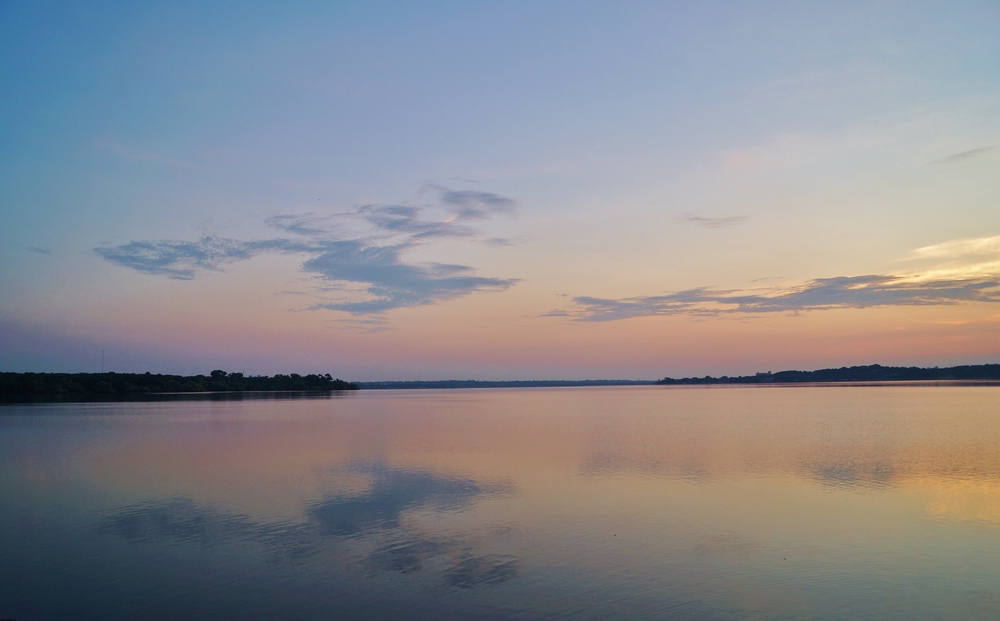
(647, 502)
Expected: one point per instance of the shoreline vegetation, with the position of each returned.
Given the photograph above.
(112, 384)
(870, 373)
(16, 386)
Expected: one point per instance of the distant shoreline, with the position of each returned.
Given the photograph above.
(56, 387)
(873, 373)
(438, 384)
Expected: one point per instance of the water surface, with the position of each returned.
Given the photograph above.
(575, 503)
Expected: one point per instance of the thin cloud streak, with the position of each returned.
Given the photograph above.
(960, 248)
(307, 224)
(473, 204)
(960, 258)
(364, 247)
(712, 223)
(965, 155)
(820, 294)
(967, 270)
(499, 242)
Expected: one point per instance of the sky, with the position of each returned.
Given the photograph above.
(506, 190)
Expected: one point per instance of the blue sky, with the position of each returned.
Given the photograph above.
(643, 150)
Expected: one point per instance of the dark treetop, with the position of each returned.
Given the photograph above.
(871, 373)
(137, 383)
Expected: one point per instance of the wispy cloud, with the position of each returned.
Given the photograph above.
(39, 250)
(822, 293)
(958, 248)
(959, 258)
(182, 260)
(967, 270)
(712, 223)
(499, 241)
(392, 283)
(364, 247)
(309, 224)
(476, 205)
(964, 155)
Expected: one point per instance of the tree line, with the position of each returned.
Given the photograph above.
(869, 373)
(138, 383)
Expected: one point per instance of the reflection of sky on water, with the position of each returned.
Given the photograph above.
(373, 518)
(852, 474)
(391, 492)
(666, 504)
(180, 521)
(607, 464)
(849, 474)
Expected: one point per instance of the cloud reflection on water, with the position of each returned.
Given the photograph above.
(391, 492)
(180, 521)
(674, 503)
(371, 521)
(827, 472)
(852, 475)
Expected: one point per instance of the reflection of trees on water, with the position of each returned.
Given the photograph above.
(372, 518)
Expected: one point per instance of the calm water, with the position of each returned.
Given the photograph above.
(580, 503)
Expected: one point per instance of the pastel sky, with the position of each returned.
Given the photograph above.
(507, 190)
